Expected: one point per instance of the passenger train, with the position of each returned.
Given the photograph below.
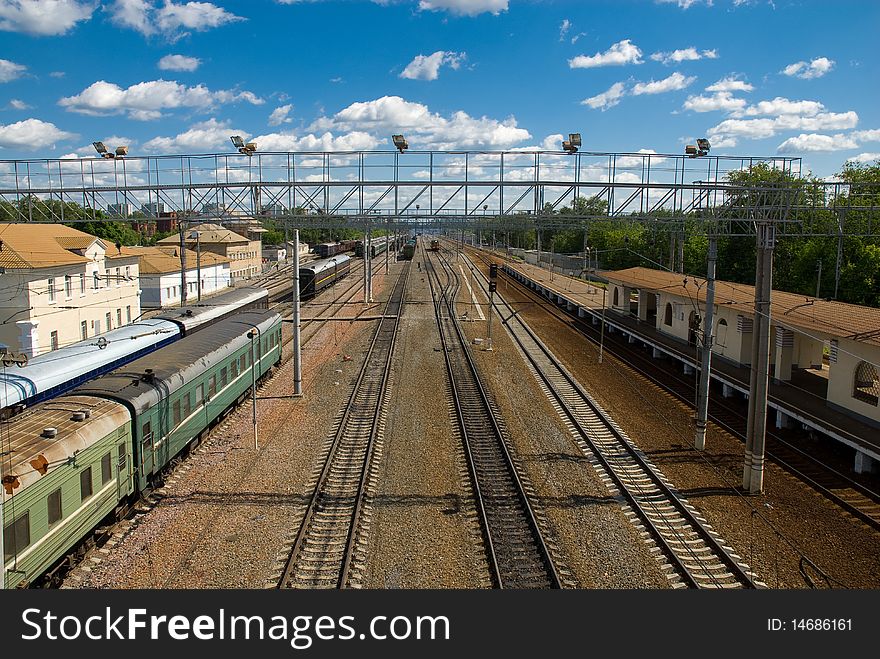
(56, 372)
(81, 459)
(322, 273)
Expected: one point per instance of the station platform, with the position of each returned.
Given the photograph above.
(800, 400)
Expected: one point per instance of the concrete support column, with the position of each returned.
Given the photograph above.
(865, 464)
(784, 352)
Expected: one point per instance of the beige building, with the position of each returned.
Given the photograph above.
(160, 278)
(802, 329)
(244, 255)
(60, 285)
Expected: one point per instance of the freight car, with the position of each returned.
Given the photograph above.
(325, 250)
(81, 459)
(320, 274)
(54, 373)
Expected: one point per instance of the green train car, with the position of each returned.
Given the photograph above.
(409, 250)
(80, 459)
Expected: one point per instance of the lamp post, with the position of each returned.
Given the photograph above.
(198, 238)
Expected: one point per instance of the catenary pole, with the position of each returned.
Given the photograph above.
(708, 320)
(297, 348)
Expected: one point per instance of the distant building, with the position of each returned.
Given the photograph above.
(274, 253)
(304, 248)
(274, 210)
(120, 210)
(153, 209)
(60, 285)
(160, 274)
(244, 254)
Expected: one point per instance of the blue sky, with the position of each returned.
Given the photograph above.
(796, 78)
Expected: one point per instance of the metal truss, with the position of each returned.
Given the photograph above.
(507, 190)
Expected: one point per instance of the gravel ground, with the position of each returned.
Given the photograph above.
(771, 532)
(424, 532)
(223, 518)
(599, 546)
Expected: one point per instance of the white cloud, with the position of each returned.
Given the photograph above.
(719, 101)
(31, 134)
(146, 100)
(279, 115)
(564, 28)
(57, 74)
(816, 68)
(866, 157)
(687, 4)
(673, 83)
(730, 84)
(44, 17)
(684, 55)
(424, 129)
(18, 104)
(465, 7)
(731, 129)
(623, 52)
(607, 99)
(9, 71)
(171, 19)
(351, 141)
(204, 136)
(872, 135)
(816, 142)
(179, 63)
(780, 106)
(427, 67)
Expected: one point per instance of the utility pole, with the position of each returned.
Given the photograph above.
(180, 227)
(818, 276)
(297, 348)
(708, 320)
(199, 264)
(753, 465)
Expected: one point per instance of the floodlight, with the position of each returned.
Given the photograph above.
(100, 148)
(250, 147)
(703, 146)
(121, 151)
(566, 146)
(400, 142)
(237, 142)
(575, 139)
(691, 150)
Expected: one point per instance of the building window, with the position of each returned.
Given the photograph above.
(127, 314)
(53, 340)
(616, 296)
(109, 318)
(866, 386)
(667, 315)
(106, 473)
(82, 283)
(68, 286)
(119, 318)
(128, 273)
(96, 280)
(16, 536)
(84, 329)
(118, 277)
(53, 506)
(85, 483)
(51, 289)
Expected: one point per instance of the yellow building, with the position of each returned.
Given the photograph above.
(245, 255)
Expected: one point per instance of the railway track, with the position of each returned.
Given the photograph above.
(700, 558)
(322, 554)
(517, 552)
(854, 497)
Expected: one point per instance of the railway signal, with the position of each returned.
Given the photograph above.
(493, 286)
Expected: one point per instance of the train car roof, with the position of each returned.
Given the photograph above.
(324, 264)
(26, 441)
(49, 370)
(178, 363)
(209, 309)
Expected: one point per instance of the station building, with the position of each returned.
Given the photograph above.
(244, 255)
(161, 280)
(60, 285)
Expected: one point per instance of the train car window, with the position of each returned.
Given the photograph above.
(53, 506)
(200, 394)
(243, 362)
(234, 368)
(106, 473)
(187, 404)
(212, 387)
(120, 465)
(85, 483)
(147, 434)
(224, 377)
(175, 407)
(16, 536)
